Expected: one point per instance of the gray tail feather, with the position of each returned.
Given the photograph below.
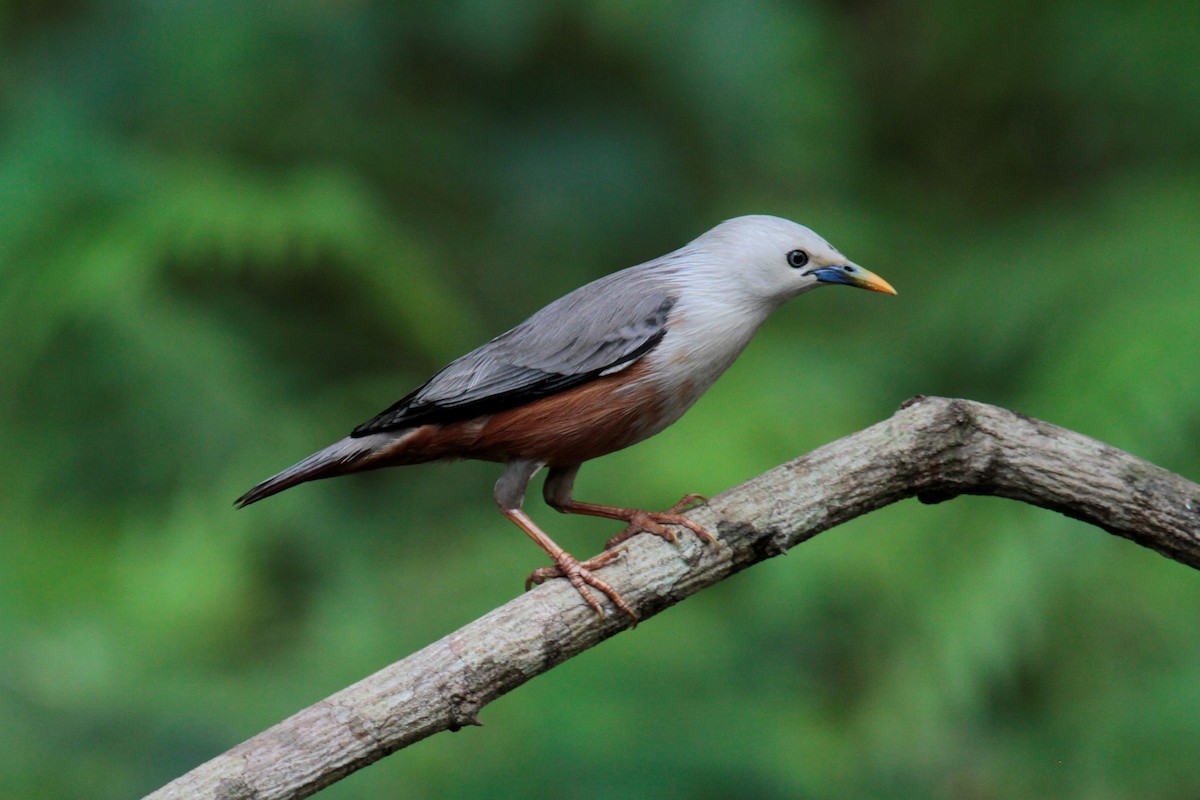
(339, 458)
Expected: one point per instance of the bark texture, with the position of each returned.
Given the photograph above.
(933, 448)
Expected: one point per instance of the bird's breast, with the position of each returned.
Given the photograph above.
(703, 340)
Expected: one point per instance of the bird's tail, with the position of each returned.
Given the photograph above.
(346, 455)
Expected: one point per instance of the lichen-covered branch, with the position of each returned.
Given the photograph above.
(932, 448)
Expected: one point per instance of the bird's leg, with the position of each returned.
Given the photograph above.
(579, 573)
(510, 494)
(561, 481)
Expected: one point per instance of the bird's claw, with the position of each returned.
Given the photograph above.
(656, 522)
(580, 574)
(687, 502)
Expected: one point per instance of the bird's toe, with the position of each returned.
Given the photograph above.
(688, 501)
(656, 522)
(580, 574)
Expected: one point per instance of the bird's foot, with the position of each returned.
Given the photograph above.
(579, 573)
(656, 522)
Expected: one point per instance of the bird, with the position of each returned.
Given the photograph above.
(606, 366)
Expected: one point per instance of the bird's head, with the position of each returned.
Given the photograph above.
(771, 260)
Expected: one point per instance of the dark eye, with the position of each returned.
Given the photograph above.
(797, 259)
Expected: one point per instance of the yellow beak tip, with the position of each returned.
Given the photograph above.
(878, 284)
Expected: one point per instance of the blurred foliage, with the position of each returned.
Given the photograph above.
(231, 231)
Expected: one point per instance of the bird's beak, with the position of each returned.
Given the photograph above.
(852, 275)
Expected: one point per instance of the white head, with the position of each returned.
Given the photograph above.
(767, 260)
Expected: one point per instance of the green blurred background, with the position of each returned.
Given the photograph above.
(231, 231)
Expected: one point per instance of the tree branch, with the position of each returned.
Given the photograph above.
(932, 448)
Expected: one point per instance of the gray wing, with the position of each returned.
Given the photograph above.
(597, 329)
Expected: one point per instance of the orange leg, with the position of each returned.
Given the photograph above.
(561, 481)
(579, 573)
(510, 492)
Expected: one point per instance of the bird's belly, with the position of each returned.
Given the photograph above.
(570, 427)
(590, 420)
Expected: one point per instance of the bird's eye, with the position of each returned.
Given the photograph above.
(797, 259)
